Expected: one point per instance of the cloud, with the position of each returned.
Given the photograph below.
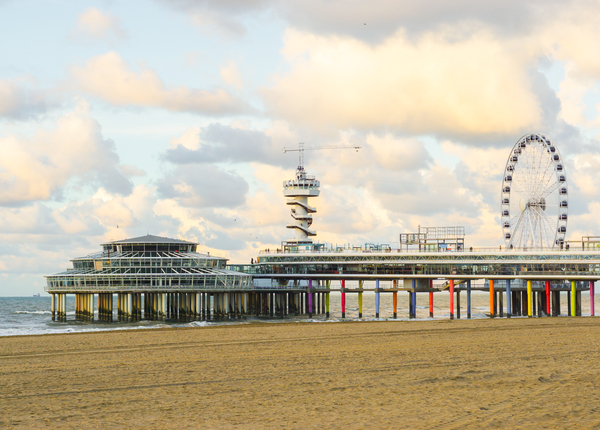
(374, 21)
(429, 86)
(205, 186)
(230, 74)
(109, 77)
(73, 153)
(218, 143)
(93, 24)
(19, 102)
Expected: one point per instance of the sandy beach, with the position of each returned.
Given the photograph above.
(518, 373)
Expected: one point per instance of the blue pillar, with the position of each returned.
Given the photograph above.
(508, 298)
(377, 298)
(468, 298)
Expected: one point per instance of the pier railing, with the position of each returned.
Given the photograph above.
(361, 250)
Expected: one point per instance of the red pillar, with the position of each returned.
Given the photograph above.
(451, 299)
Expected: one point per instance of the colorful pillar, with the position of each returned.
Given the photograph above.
(327, 299)
(451, 299)
(548, 301)
(529, 299)
(360, 297)
(430, 298)
(508, 299)
(592, 310)
(492, 304)
(310, 298)
(395, 299)
(343, 298)
(413, 300)
(377, 298)
(468, 298)
(573, 299)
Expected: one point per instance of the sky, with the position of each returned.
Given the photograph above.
(168, 117)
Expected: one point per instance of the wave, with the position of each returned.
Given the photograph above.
(34, 312)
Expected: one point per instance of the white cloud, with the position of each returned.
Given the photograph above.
(109, 77)
(431, 85)
(95, 24)
(19, 102)
(230, 74)
(39, 168)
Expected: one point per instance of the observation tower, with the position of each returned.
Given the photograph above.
(298, 191)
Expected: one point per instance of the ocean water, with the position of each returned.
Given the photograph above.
(32, 315)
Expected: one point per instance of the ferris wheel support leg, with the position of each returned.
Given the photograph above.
(573, 298)
(592, 310)
(529, 300)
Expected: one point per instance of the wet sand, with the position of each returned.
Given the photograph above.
(518, 373)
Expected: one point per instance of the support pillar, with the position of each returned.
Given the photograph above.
(360, 298)
(492, 303)
(501, 303)
(592, 310)
(430, 298)
(343, 298)
(508, 299)
(412, 313)
(377, 298)
(573, 298)
(468, 298)
(395, 298)
(451, 299)
(310, 299)
(529, 299)
(457, 304)
(548, 301)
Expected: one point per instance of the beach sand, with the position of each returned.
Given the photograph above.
(517, 373)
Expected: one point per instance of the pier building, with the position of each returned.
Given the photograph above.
(159, 276)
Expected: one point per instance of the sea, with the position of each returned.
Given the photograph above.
(32, 315)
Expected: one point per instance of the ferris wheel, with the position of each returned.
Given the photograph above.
(534, 195)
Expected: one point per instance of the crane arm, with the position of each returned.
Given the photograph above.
(315, 148)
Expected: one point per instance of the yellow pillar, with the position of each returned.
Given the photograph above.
(529, 299)
(573, 299)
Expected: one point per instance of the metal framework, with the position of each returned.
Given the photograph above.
(139, 265)
(555, 265)
(534, 195)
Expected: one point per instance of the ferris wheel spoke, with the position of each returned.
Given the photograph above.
(543, 182)
(546, 228)
(553, 187)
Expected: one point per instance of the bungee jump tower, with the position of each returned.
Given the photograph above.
(298, 192)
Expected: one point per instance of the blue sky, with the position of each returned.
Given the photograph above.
(169, 117)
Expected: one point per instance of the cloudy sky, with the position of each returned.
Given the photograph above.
(168, 117)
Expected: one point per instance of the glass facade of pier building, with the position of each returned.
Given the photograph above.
(147, 264)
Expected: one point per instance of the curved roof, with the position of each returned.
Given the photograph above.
(152, 239)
